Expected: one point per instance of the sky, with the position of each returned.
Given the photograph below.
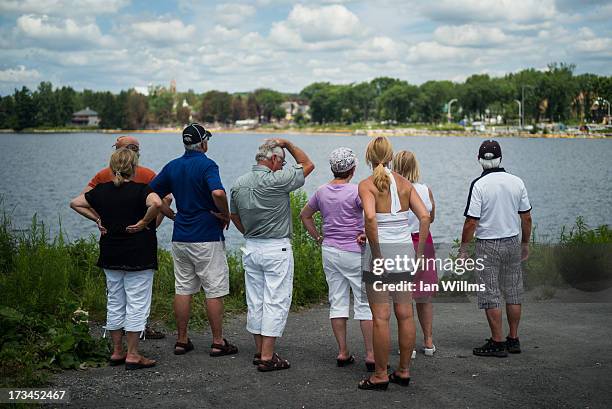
(286, 45)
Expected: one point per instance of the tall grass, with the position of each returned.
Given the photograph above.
(44, 281)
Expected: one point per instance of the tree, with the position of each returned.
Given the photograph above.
(25, 109)
(8, 119)
(161, 103)
(397, 102)
(66, 101)
(238, 108)
(432, 98)
(47, 105)
(135, 110)
(216, 107)
(267, 101)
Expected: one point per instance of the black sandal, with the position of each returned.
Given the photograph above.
(345, 362)
(257, 359)
(274, 364)
(393, 378)
(185, 347)
(225, 349)
(368, 385)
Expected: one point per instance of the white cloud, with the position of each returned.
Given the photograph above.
(162, 31)
(62, 7)
(316, 25)
(20, 74)
(60, 33)
(490, 10)
(232, 14)
(377, 48)
(470, 35)
(431, 51)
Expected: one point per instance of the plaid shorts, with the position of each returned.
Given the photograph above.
(502, 273)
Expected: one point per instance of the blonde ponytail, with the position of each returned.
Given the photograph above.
(381, 179)
(378, 154)
(123, 164)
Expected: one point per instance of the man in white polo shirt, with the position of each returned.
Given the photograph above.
(497, 211)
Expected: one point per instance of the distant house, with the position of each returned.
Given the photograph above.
(85, 117)
(293, 108)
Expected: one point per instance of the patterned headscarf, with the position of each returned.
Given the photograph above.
(342, 160)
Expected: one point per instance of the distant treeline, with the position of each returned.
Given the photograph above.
(553, 95)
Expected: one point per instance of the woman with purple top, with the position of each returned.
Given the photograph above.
(339, 204)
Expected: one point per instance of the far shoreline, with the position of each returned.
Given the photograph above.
(314, 131)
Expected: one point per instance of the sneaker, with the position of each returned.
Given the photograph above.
(413, 353)
(492, 348)
(150, 333)
(513, 345)
(429, 351)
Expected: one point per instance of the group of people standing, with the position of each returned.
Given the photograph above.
(385, 215)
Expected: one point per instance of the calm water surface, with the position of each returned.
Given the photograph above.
(565, 178)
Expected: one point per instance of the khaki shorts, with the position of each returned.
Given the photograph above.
(200, 265)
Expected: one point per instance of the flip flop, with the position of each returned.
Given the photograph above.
(224, 349)
(185, 347)
(345, 362)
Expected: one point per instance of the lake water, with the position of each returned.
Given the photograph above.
(565, 178)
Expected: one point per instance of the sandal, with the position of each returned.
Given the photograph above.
(257, 359)
(141, 364)
(345, 362)
(393, 378)
(274, 364)
(225, 349)
(368, 385)
(185, 347)
(116, 362)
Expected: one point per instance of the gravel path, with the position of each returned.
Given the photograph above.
(566, 362)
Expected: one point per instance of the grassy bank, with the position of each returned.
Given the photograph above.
(51, 288)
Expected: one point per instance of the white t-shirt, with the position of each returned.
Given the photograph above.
(496, 198)
(423, 192)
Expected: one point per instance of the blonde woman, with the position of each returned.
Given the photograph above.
(405, 163)
(387, 199)
(125, 213)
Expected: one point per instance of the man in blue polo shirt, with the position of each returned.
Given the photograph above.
(198, 244)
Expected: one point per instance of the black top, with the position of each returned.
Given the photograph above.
(119, 207)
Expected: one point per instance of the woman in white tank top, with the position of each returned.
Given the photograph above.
(406, 164)
(387, 199)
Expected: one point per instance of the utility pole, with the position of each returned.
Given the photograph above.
(520, 106)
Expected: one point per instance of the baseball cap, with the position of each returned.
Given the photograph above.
(195, 133)
(489, 149)
(125, 141)
(342, 160)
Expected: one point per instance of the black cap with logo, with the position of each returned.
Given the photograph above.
(195, 133)
(489, 149)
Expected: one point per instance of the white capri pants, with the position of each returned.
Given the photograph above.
(268, 278)
(343, 273)
(128, 299)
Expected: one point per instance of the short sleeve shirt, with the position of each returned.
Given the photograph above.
(342, 213)
(142, 175)
(261, 199)
(119, 207)
(191, 179)
(496, 199)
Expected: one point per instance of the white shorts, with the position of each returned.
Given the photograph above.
(200, 265)
(268, 278)
(343, 273)
(128, 299)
